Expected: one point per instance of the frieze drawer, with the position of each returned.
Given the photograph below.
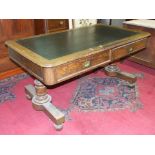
(127, 49)
(82, 64)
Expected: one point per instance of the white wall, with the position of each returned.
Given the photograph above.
(114, 22)
(70, 24)
(75, 23)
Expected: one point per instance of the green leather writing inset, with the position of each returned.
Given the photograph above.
(56, 45)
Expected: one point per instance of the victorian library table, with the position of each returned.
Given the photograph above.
(56, 57)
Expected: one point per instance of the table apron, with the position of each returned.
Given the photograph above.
(59, 73)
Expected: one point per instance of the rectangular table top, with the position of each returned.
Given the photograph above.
(56, 48)
(56, 57)
(60, 44)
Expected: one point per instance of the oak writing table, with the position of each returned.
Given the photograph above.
(56, 57)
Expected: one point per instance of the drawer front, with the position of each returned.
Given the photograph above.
(127, 49)
(82, 64)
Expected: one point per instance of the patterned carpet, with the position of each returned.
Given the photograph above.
(106, 94)
(92, 93)
(6, 86)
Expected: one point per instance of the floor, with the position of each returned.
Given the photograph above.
(18, 117)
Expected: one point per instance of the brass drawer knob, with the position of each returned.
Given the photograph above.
(130, 49)
(86, 64)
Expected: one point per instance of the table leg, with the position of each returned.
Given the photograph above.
(42, 101)
(114, 71)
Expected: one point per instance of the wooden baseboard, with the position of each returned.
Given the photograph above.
(11, 73)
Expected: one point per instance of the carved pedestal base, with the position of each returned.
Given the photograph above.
(113, 70)
(42, 101)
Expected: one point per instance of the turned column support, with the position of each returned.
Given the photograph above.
(42, 101)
